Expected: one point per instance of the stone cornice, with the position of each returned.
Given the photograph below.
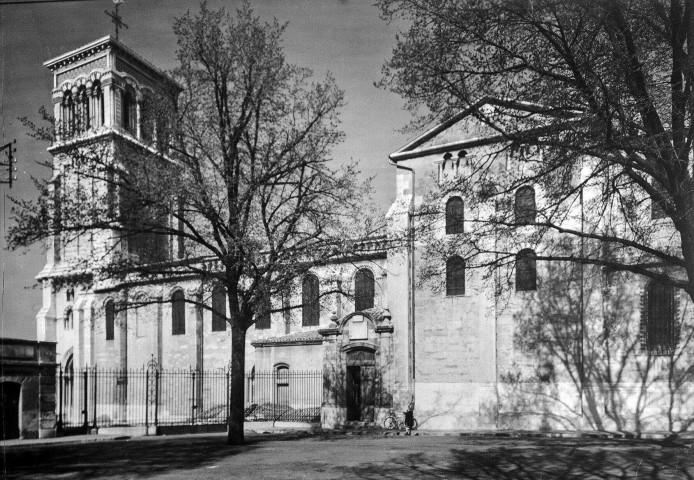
(78, 54)
(105, 43)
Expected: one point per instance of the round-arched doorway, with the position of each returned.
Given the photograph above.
(360, 380)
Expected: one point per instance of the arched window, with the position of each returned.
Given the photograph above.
(264, 316)
(178, 313)
(364, 290)
(110, 314)
(96, 104)
(524, 207)
(455, 216)
(69, 386)
(282, 385)
(526, 271)
(66, 115)
(129, 111)
(219, 309)
(68, 319)
(660, 330)
(310, 312)
(455, 276)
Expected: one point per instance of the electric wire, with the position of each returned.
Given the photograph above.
(23, 2)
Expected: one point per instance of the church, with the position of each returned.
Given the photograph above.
(471, 351)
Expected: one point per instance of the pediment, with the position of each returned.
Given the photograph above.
(467, 129)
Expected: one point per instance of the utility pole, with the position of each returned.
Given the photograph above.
(10, 150)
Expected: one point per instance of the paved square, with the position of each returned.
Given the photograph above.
(335, 456)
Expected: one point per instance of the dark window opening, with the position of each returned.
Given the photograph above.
(178, 313)
(661, 329)
(364, 290)
(219, 309)
(310, 312)
(455, 276)
(129, 111)
(263, 316)
(526, 270)
(110, 313)
(524, 208)
(455, 216)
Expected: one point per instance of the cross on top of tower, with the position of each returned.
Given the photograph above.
(115, 17)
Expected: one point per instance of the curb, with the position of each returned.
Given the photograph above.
(664, 438)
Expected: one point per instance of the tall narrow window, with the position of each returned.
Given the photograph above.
(660, 329)
(364, 290)
(66, 126)
(524, 208)
(526, 271)
(455, 276)
(68, 319)
(219, 309)
(129, 111)
(263, 316)
(310, 312)
(178, 313)
(180, 240)
(110, 314)
(455, 215)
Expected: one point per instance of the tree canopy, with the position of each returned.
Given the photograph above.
(587, 96)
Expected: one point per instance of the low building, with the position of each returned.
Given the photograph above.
(28, 389)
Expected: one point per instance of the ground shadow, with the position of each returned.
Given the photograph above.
(140, 458)
(540, 460)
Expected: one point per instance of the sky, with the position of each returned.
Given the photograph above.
(345, 37)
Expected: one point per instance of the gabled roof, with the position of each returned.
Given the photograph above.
(418, 147)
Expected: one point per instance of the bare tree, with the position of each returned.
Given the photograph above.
(593, 100)
(235, 188)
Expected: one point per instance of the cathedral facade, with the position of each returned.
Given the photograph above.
(462, 350)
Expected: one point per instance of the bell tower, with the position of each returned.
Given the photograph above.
(104, 95)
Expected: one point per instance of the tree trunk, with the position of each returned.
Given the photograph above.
(236, 384)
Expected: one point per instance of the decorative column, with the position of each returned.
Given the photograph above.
(57, 113)
(332, 413)
(138, 116)
(384, 364)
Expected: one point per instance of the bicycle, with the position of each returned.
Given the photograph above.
(391, 422)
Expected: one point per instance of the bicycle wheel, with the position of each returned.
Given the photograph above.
(390, 423)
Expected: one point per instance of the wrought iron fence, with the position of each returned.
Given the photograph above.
(93, 397)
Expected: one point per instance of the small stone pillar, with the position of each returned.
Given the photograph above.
(332, 413)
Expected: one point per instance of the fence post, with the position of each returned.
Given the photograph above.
(156, 397)
(95, 397)
(192, 400)
(147, 402)
(227, 396)
(85, 412)
(60, 400)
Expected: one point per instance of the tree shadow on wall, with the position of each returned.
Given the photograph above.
(580, 360)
